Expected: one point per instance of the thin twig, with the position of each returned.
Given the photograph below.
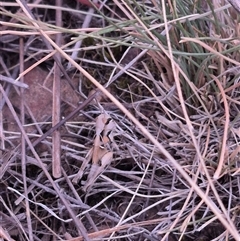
(56, 110)
(12, 81)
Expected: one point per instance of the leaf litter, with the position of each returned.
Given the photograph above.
(116, 183)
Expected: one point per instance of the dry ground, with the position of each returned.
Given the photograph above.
(147, 92)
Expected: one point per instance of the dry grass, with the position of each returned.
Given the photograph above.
(166, 74)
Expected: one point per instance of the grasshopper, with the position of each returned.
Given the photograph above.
(100, 153)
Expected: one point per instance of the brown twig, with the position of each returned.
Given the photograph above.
(56, 137)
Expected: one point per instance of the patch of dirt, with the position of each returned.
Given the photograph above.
(38, 99)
